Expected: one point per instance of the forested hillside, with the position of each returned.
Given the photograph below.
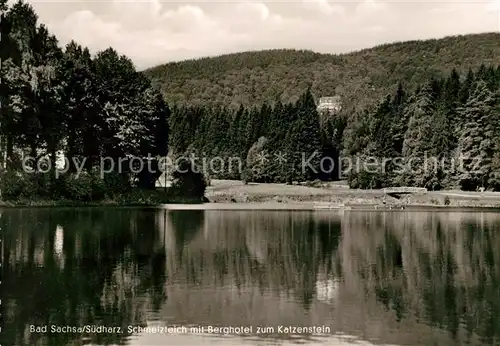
(362, 77)
(415, 103)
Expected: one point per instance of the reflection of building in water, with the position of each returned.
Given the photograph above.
(327, 288)
(58, 246)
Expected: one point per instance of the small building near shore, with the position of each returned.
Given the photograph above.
(164, 181)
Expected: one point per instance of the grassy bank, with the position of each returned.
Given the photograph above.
(133, 198)
(338, 194)
(275, 195)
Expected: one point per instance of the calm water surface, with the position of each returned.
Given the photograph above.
(358, 278)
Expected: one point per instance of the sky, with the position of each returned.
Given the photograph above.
(152, 32)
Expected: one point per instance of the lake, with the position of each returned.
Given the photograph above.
(130, 276)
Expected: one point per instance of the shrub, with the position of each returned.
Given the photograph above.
(87, 186)
(77, 188)
(17, 184)
(188, 181)
(14, 185)
(115, 183)
(44, 185)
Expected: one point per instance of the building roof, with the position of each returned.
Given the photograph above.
(329, 100)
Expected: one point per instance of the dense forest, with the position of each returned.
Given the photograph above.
(450, 124)
(360, 78)
(446, 134)
(87, 106)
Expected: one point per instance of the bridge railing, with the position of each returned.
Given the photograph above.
(404, 190)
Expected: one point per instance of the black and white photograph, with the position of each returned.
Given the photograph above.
(249, 172)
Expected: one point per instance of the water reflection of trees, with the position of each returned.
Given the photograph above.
(77, 267)
(387, 276)
(241, 260)
(413, 275)
(278, 251)
(442, 268)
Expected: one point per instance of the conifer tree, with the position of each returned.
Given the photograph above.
(382, 132)
(400, 119)
(303, 141)
(477, 142)
(417, 143)
(467, 87)
(234, 135)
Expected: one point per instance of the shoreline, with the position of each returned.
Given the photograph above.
(254, 206)
(45, 203)
(235, 195)
(337, 195)
(311, 207)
